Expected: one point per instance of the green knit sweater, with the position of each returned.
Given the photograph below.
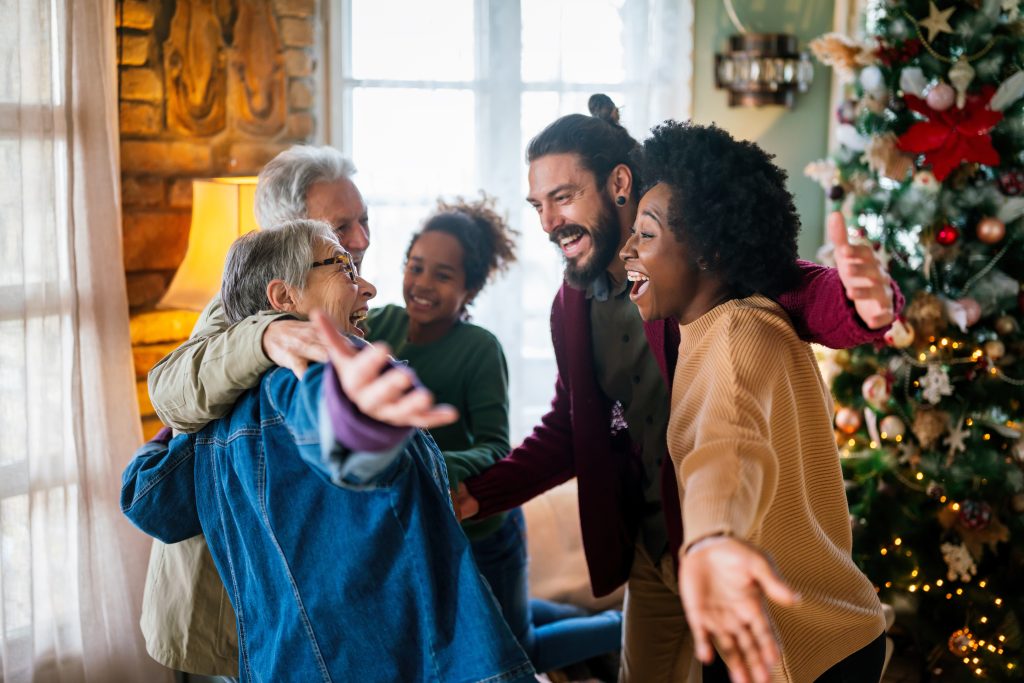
(466, 368)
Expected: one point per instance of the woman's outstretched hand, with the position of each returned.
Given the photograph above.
(723, 583)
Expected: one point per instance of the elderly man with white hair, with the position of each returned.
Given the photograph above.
(187, 618)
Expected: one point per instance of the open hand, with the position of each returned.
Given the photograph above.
(380, 391)
(866, 281)
(722, 583)
(293, 344)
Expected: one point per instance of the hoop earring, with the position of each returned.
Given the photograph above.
(620, 200)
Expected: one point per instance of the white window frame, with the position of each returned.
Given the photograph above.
(498, 89)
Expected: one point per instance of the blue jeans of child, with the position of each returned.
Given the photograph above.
(554, 635)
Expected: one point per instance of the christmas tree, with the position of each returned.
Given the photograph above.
(930, 170)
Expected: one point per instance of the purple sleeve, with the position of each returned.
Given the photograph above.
(821, 313)
(354, 430)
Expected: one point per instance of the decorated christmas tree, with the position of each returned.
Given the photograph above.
(930, 170)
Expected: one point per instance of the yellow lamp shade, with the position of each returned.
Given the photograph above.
(222, 211)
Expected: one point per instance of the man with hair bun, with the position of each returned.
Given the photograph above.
(608, 419)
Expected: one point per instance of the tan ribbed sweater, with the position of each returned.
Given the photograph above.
(751, 439)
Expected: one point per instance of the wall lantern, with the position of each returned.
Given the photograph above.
(762, 69)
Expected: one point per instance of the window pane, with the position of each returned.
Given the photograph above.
(405, 40)
(413, 145)
(542, 107)
(15, 558)
(542, 264)
(578, 41)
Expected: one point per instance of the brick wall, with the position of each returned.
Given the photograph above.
(206, 88)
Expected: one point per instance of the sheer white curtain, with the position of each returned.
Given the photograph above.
(70, 566)
(451, 110)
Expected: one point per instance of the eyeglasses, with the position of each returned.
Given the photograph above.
(344, 262)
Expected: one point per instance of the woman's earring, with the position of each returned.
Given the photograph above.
(620, 200)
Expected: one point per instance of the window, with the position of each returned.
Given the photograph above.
(441, 98)
(33, 274)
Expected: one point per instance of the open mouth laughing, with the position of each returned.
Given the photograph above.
(357, 319)
(572, 240)
(640, 284)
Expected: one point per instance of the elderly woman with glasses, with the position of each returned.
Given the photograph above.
(326, 511)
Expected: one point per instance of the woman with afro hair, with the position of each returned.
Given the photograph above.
(460, 247)
(750, 432)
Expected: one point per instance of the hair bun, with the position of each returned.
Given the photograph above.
(602, 107)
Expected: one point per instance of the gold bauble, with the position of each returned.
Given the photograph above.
(1005, 325)
(847, 420)
(995, 349)
(991, 230)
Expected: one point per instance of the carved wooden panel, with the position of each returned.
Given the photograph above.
(194, 69)
(257, 74)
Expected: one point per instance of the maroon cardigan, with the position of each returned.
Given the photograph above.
(576, 437)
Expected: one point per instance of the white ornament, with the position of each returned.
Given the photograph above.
(1010, 209)
(1012, 9)
(1010, 90)
(936, 384)
(960, 75)
(875, 391)
(825, 172)
(872, 79)
(892, 427)
(958, 559)
(871, 423)
(848, 137)
(955, 440)
(913, 81)
(962, 312)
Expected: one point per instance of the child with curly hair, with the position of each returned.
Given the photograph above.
(460, 247)
(750, 431)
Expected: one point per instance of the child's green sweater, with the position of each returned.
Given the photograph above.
(466, 368)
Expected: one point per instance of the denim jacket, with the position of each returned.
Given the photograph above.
(341, 555)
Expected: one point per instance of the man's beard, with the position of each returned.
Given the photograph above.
(604, 237)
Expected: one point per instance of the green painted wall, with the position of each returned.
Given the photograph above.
(796, 136)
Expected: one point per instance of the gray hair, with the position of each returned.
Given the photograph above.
(256, 258)
(285, 181)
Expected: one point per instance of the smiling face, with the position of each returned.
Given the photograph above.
(336, 289)
(434, 285)
(667, 281)
(340, 205)
(577, 214)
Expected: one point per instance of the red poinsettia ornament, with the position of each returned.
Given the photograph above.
(949, 138)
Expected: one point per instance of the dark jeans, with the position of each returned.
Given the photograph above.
(552, 634)
(863, 666)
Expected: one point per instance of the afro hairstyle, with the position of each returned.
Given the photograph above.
(729, 205)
